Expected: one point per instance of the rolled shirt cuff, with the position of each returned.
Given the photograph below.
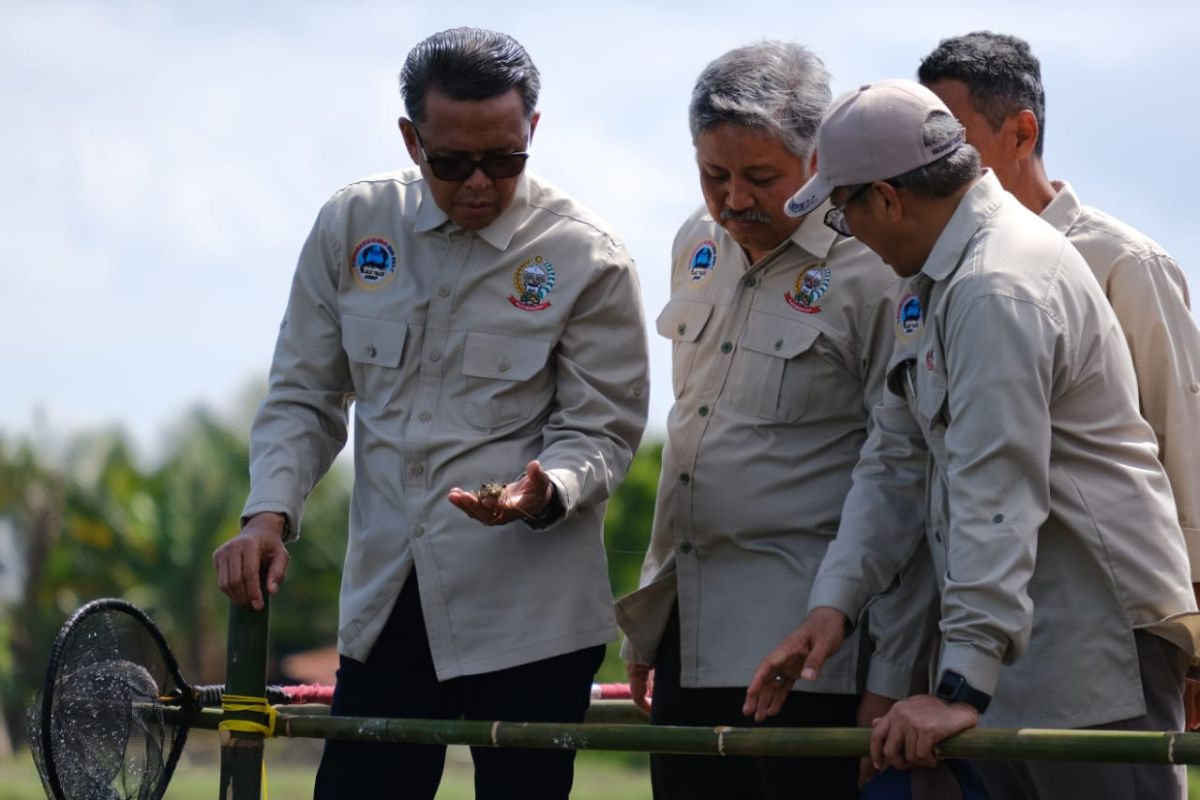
(889, 679)
(842, 593)
(981, 670)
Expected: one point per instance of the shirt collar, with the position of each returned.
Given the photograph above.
(499, 234)
(979, 203)
(813, 235)
(1064, 209)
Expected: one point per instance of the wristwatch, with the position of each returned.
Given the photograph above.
(953, 688)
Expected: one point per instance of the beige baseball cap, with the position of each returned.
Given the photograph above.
(871, 134)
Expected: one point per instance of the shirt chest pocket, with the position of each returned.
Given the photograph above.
(772, 372)
(375, 349)
(682, 322)
(506, 379)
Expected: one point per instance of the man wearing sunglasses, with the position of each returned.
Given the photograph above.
(489, 331)
(1063, 574)
(781, 330)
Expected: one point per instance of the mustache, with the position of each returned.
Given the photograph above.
(750, 215)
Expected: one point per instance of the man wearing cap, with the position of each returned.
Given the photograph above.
(1065, 595)
(781, 330)
(993, 84)
(488, 329)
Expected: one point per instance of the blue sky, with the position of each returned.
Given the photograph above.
(162, 162)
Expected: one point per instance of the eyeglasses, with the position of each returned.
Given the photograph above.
(459, 168)
(836, 216)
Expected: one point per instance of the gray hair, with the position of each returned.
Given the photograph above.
(468, 64)
(780, 87)
(943, 177)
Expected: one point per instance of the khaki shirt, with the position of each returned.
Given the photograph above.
(1149, 293)
(466, 354)
(1051, 523)
(776, 366)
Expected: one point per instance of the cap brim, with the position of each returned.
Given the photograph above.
(811, 195)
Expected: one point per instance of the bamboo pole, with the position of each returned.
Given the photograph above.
(245, 674)
(1030, 744)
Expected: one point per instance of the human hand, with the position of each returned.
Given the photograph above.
(641, 684)
(800, 655)
(239, 561)
(908, 735)
(525, 498)
(871, 707)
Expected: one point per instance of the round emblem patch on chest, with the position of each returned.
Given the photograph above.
(533, 279)
(373, 262)
(810, 286)
(703, 260)
(908, 315)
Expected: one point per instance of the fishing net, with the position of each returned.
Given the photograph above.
(97, 729)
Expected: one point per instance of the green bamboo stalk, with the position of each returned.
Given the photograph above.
(245, 674)
(1150, 747)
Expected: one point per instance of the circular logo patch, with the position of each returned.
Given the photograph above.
(703, 260)
(908, 315)
(374, 262)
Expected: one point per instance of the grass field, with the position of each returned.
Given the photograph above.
(292, 764)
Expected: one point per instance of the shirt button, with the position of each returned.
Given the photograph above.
(704, 411)
(1195, 388)
(416, 469)
(418, 531)
(726, 347)
(937, 536)
(443, 291)
(684, 478)
(435, 356)
(504, 364)
(424, 416)
(682, 328)
(778, 344)
(371, 350)
(750, 281)
(685, 547)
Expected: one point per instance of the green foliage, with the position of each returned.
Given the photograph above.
(92, 520)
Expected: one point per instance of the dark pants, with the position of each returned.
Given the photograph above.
(398, 680)
(743, 777)
(1162, 666)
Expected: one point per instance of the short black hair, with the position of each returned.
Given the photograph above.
(1000, 71)
(468, 64)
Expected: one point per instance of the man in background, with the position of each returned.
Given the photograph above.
(781, 329)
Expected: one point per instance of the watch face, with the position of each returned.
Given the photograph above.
(950, 685)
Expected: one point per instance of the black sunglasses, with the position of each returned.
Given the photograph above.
(459, 168)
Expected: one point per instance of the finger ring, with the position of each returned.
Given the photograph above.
(779, 679)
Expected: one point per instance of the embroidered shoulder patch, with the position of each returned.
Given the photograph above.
(533, 279)
(810, 286)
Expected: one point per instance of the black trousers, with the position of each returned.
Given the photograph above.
(398, 680)
(745, 778)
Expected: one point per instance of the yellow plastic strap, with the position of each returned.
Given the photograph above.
(244, 703)
(256, 705)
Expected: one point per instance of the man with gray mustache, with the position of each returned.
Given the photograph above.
(781, 329)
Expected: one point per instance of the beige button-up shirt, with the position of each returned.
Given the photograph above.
(1051, 523)
(1149, 293)
(466, 354)
(776, 367)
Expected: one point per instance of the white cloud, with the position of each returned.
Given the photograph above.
(163, 163)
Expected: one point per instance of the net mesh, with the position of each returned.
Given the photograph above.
(96, 729)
